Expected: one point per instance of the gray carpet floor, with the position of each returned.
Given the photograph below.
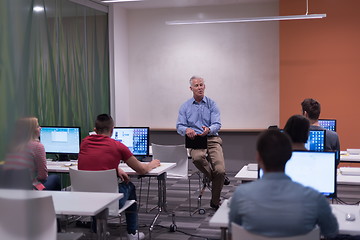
(188, 227)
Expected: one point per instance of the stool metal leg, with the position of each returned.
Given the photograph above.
(202, 188)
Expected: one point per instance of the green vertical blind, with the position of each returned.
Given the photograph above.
(54, 64)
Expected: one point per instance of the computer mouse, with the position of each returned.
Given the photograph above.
(350, 217)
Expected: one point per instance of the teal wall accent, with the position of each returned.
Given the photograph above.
(54, 64)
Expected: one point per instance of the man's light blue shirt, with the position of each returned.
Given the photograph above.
(196, 115)
(275, 206)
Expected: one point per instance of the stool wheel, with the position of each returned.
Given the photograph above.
(173, 228)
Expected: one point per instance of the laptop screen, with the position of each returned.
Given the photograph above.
(329, 124)
(135, 138)
(316, 140)
(312, 169)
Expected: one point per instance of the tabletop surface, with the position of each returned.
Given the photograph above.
(221, 218)
(67, 202)
(56, 166)
(164, 166)
(347, 227)
(349, 157)
(245, 175)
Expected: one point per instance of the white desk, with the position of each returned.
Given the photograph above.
(60, 167)
(347, 179)
(349, 158)
(347, 227)
(81, 203)
(221, 218)
(63, 167)
(245, 175)
(164, 166)
(159, 173)
(74, 203)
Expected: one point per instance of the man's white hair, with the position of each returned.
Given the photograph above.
(195, 77)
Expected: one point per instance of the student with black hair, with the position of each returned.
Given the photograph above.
(275, 206)
(297, 127)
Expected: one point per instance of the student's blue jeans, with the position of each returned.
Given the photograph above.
(129, 191)
(52, 183)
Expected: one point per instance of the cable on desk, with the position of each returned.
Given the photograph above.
(338, 200)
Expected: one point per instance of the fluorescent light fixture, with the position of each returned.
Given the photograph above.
(243, 20)
(119, 1)
(38, 9)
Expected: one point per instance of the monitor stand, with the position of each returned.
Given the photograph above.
(64, 157)
(141, 158)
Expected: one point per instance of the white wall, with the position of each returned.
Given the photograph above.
(239, 61)
(119, 66)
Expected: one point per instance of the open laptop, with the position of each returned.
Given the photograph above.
(313, 169)
(329, 124)
(316, 140)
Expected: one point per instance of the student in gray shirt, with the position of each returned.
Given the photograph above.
(311, 109)
(275, 206)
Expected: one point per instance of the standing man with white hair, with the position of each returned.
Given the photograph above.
(200, 116)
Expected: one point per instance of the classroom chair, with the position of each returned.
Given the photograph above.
(179, 155)
(30, 217)
(175, 154)
(99, 181)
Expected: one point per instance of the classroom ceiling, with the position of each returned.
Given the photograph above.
(180, 3)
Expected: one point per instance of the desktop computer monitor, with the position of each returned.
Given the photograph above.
(135, 138)
(316, 140)
(60, 140)
(313, 169)
(329, 124)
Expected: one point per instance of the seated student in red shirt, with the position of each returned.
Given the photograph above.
(101, 152)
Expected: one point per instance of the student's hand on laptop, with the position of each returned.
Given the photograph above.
(123, 175)
(190, 133)
(155, 163)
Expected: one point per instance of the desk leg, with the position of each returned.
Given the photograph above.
(223, 233)
(161, 199)
(101, 224)
(64, 179)
(162, 192)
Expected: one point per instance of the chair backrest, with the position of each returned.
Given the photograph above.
(96, 181)
(27, 217)
(173, 153)
(239, 233)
